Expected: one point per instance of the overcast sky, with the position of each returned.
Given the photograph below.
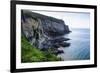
(74, 20)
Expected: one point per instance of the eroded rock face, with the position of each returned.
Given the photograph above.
(43, 31)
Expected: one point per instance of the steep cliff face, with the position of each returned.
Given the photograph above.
(43, 31)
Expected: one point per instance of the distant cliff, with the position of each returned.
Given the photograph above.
(43, 31)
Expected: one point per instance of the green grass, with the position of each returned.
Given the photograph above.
(30, 53)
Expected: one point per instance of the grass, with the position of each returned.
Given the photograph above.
(30, 53)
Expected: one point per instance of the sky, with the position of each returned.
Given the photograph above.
(72, 19)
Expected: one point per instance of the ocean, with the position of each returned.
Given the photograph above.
(79, 48)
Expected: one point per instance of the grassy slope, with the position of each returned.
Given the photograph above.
(31, 54)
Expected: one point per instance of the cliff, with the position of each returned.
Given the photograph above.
(43, 31)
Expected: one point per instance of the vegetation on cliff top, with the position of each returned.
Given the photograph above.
(30, 53)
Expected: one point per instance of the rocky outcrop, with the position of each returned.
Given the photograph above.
(43, 31)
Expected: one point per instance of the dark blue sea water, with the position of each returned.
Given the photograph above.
(79, 48)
